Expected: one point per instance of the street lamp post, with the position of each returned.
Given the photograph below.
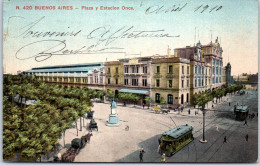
(203, 140)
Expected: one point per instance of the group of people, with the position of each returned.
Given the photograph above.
(251, 116)
(141, 155)
(225, 138)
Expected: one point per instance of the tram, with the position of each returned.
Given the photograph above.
(175, 139)
(241, 112)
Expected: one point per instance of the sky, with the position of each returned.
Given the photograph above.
(108, 32)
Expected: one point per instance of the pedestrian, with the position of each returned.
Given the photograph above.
(189, 111)
(163, 158)
(229, 103)
(253, 115)
(249, 116)
(246, 137)
(212, 105)
(225, 139)
(142, 150)
(143, 105)
(141, 156)
(245, 122)
(217, 127)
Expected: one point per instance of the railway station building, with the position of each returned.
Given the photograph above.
(176, 77)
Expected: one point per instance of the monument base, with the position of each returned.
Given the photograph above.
(113, 120)
(203, 141)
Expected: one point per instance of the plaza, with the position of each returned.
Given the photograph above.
(116, 144)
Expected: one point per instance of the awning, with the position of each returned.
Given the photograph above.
(136, 91)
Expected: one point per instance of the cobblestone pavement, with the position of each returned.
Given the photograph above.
(115, 144)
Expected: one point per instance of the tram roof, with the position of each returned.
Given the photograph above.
(242, 108)
(178, 131)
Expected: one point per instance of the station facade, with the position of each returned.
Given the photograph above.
(176, 77)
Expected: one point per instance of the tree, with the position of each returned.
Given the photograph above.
(110, 95)
(162, 101)
(148, 101)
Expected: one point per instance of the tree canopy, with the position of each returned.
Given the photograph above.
(35, 129)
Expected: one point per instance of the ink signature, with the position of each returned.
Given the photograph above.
(45, 49)
(103, 40)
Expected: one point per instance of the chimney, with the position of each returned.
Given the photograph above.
(169, 52)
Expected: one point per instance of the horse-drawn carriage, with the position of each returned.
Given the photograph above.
(90, 114)
(160, 109)
(93, 125)
(76, 145)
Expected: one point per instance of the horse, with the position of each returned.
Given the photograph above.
(89, 136)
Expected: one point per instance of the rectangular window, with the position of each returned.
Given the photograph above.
(108, 81)
(126, 81)
(101, 80)
(188, 83)
(170, 83)
(216, 70)
(157, 83)
(158, 69)
(202, 70)
(213, 71)
(188, 70)
(108, 70)
(137, 69)
(195, 69)
(116, 81)
(170, 69)
(144, 82)
(182, 68)
(126, 69)
(116, 69)
(134, 82)
(133, 69)
(202, 82)
(195, 82)
(182, 83)
(145, 69)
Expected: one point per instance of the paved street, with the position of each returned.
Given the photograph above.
(115, 144)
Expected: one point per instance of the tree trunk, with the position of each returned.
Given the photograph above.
(64, 138)
(83, 122)
(77, 128)
(80, 124)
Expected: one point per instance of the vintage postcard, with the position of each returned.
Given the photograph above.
(140, 81)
